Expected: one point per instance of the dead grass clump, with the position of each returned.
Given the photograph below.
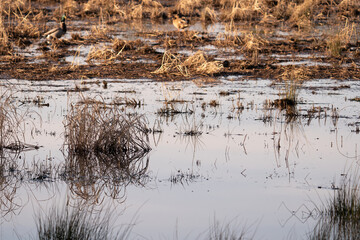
(99, 32)
(243, 10)
(16, 5)
(303, 13)
(190, 7)
(119, 45)
(228, 39)
(349, 8)
(100, 7)
(197, 63)
(172, 64)
(295, 73)
(69, 8)
(208, 14)
(103, 53)
(5, 47)
(338, 43)
(253, 44)
(293, 78)
(11, 122)
(147, 9)
(106, 147)
(95, 127)
(23, 28)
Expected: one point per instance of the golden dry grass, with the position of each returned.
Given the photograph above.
(69, 7)
(146, 9)
(4, 41)
(189, 7)
(208, 14)
(103, 53)
(107, 7)
(92, 126)
(337, 43)
(195, 64)
(235, 10)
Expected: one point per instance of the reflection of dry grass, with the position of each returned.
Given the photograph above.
(197, 63)
(11, 121)
(103, 141)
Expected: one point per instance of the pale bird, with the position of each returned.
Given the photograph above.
(180, 23)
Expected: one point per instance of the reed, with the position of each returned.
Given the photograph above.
(340, 217)
(101, 53)
(146, 9)
(11, 122)
(92, 126)
(106, 147)
(5, 47)
(78, 223)
(338, 43)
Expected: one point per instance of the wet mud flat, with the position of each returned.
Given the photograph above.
(271, 60)
(107, 45)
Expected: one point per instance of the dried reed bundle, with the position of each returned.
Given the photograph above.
(196, 63)
(95, 127)
(103, 54)
(105, 146)
(146, 9)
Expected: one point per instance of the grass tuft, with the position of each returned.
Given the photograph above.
(77, 224)
(94, 127)
(341, 216)
(197, 63)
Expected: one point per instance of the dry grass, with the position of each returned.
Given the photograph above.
(337, 43)
(242, 9)
(146, 9)
(11, 124)
(99, 32)
(119, 45)
(79, 222)
(341, 215)
(95, 127)
(23, 27)
(5, 47)
(253, 44)
(100, 7)
(190, 7)
(105, 147)
(293, 78)
(69, 7)
(208, 14)
(103, 53)
(195, 64)
(16, 5)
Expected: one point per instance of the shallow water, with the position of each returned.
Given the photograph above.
(249, 167)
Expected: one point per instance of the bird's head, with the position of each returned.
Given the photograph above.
(63, 18)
